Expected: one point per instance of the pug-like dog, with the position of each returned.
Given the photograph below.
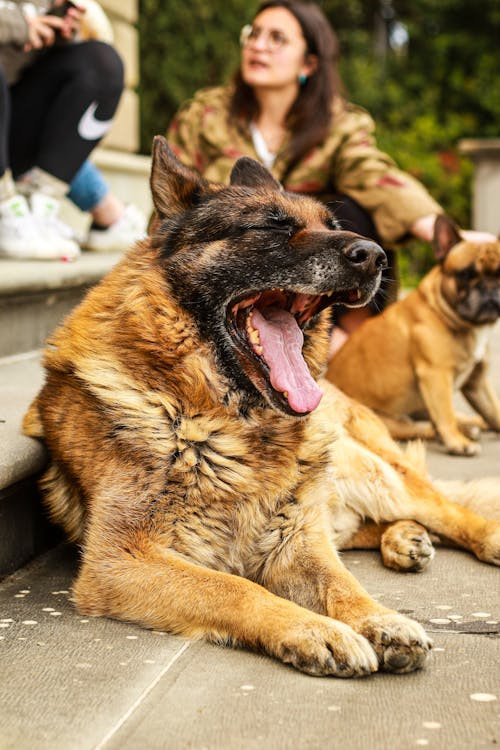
(411, 358)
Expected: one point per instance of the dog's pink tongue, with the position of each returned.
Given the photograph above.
(281, 340)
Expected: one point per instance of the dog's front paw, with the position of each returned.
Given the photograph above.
(327, 647)
(406, 546)
(401, 644)
(462, 446)
(487, 548)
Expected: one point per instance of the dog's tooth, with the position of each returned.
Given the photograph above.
(259, 350)
(358, 293)
(254, 336)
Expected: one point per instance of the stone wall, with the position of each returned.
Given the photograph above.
(485, 154)
(124, 135)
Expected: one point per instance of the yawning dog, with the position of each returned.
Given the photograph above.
(206, 470)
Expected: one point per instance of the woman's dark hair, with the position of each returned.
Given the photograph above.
(310, 115)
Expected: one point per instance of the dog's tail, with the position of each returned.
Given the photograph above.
(32, 424)
(416, 456)
(64, 502)
(479, 495)
(61, 496)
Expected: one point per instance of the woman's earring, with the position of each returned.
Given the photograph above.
(302, 79)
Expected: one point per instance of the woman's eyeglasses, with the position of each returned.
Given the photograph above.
(273, 39)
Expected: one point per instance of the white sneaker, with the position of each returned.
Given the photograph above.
(58, 235)
(130, 227)
(20, 234)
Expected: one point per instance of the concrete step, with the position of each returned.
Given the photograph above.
(24, 529)
(36, 295)
(71, 682)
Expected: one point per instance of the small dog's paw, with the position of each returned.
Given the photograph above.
(488, 547)
(471, 425)
(472, 431)
(327, 647)
(406, 546)
(462, 447)
(401, 644)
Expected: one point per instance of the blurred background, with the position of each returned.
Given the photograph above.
(427, 70)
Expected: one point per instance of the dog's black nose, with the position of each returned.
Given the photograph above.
(366, 255)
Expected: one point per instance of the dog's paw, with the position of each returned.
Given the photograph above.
(401, 644)
(324, 646)
(472, 431)
(471, 425)
(406, 546)
(488, 547)
(462, 447)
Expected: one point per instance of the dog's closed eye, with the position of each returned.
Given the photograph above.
(467, 274)
(277, 222)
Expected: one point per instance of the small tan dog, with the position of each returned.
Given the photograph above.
(413, 357)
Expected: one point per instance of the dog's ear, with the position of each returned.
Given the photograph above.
(250, 173)
(446, 235)
(174, 186)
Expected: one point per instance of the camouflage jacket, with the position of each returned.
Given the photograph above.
(348, 161)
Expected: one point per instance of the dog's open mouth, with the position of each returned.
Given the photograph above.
(268, 328)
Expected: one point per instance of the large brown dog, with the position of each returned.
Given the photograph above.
(435, 341)
(190, 457)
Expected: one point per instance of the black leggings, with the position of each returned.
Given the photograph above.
(57, 112)
(354, 218)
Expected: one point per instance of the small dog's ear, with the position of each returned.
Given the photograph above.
(446, 235)
(174, 186)
(250, 173)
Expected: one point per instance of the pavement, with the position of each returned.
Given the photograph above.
(75, 683)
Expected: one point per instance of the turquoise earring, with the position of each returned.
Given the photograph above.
(302, 79)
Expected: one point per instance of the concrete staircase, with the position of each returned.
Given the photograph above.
(34, 297)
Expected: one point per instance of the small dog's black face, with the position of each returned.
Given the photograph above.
(255, 266)
(471, 276)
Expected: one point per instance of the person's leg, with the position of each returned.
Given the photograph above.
(115, 226)
(88, 187)
(4, 124)
(62, 107)
(19, 235)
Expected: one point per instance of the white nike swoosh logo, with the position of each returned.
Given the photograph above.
(89, 128)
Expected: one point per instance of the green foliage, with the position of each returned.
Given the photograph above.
(442, 88)
(184, 47)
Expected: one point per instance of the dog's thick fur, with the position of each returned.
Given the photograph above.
(429, 344)
(206, 501)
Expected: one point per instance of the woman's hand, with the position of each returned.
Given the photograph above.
(44, 29)
(471, 235)
(73, 20)
(423, 229)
